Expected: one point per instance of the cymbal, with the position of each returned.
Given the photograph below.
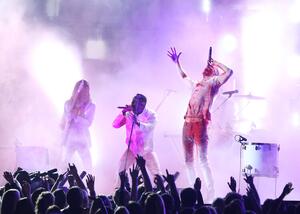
(249, 96)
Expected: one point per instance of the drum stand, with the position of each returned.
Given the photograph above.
(242, 142)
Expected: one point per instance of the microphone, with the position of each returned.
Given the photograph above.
(241, 138)
(230, 92)
(122, 107)
(209, 55)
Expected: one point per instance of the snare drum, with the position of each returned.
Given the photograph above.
(260, 159)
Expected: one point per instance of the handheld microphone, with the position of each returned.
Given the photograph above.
(209, 55)
(241, 138)
(122, 107)
(230, 92)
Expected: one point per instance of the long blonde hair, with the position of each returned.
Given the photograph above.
(81, 92)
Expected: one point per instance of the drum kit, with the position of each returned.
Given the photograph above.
(257, 158)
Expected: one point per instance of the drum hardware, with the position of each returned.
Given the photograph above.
(260, 160)
(261, 156)
(242, 141)
(250, 97)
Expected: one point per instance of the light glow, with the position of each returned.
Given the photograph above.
(56, 66)
(295, 119)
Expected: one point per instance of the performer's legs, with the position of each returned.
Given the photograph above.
(188, 148)
(85, 155)
(68, 152)
(130, 160)
(204, 164)
(125, 159)
(152, 163)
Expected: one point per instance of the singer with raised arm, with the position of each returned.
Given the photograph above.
(198, 116)
(139, 122)
(78, 116)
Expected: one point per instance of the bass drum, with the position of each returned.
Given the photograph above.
(260, 159)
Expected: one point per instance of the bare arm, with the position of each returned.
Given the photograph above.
(227, 72)
(172, 53)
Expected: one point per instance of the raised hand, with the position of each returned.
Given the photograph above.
(170, 178)
(134, 172)
(126, 109)
(8, 177)
(172, 53)
(90, 182)
(197, 184)
(248, 179)
(232, 184)
(62, 176)
(158, 180)
(140, 161)
(287, 188)
(73, 169)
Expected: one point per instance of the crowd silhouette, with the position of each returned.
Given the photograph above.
(72, 192)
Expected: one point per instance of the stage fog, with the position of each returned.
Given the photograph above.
(120, 48)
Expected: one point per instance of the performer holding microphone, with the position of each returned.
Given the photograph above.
(78, 116)
(140, 123)
(198, 116)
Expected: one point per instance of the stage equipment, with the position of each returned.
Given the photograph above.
(260, 159)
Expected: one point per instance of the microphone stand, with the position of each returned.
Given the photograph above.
(240, 168)
(219, 106)
(131, 130)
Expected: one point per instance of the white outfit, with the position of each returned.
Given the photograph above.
(76, 132)
(141, 139)
(197, 118)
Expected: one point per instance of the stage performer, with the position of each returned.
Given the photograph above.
(77, 118)
(140, 123)
(198, 116)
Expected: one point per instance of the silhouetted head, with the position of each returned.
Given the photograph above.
(106, 201)
(219, 205)
(24, 206)
(117, 197)
(60, 198)
(96, 205)
(154, 204)
(169, 202)
(138, 104)
(74, 197)
(188, 197)
(231, 196)
(235, 206)
(206, 210)
(36, 193)
(121, 210)
(9, 201)
(134, 207)
(53, 209)
(45, 200)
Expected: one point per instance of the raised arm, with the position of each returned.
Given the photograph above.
(172, 53)
(120, 120)
(227, 72)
